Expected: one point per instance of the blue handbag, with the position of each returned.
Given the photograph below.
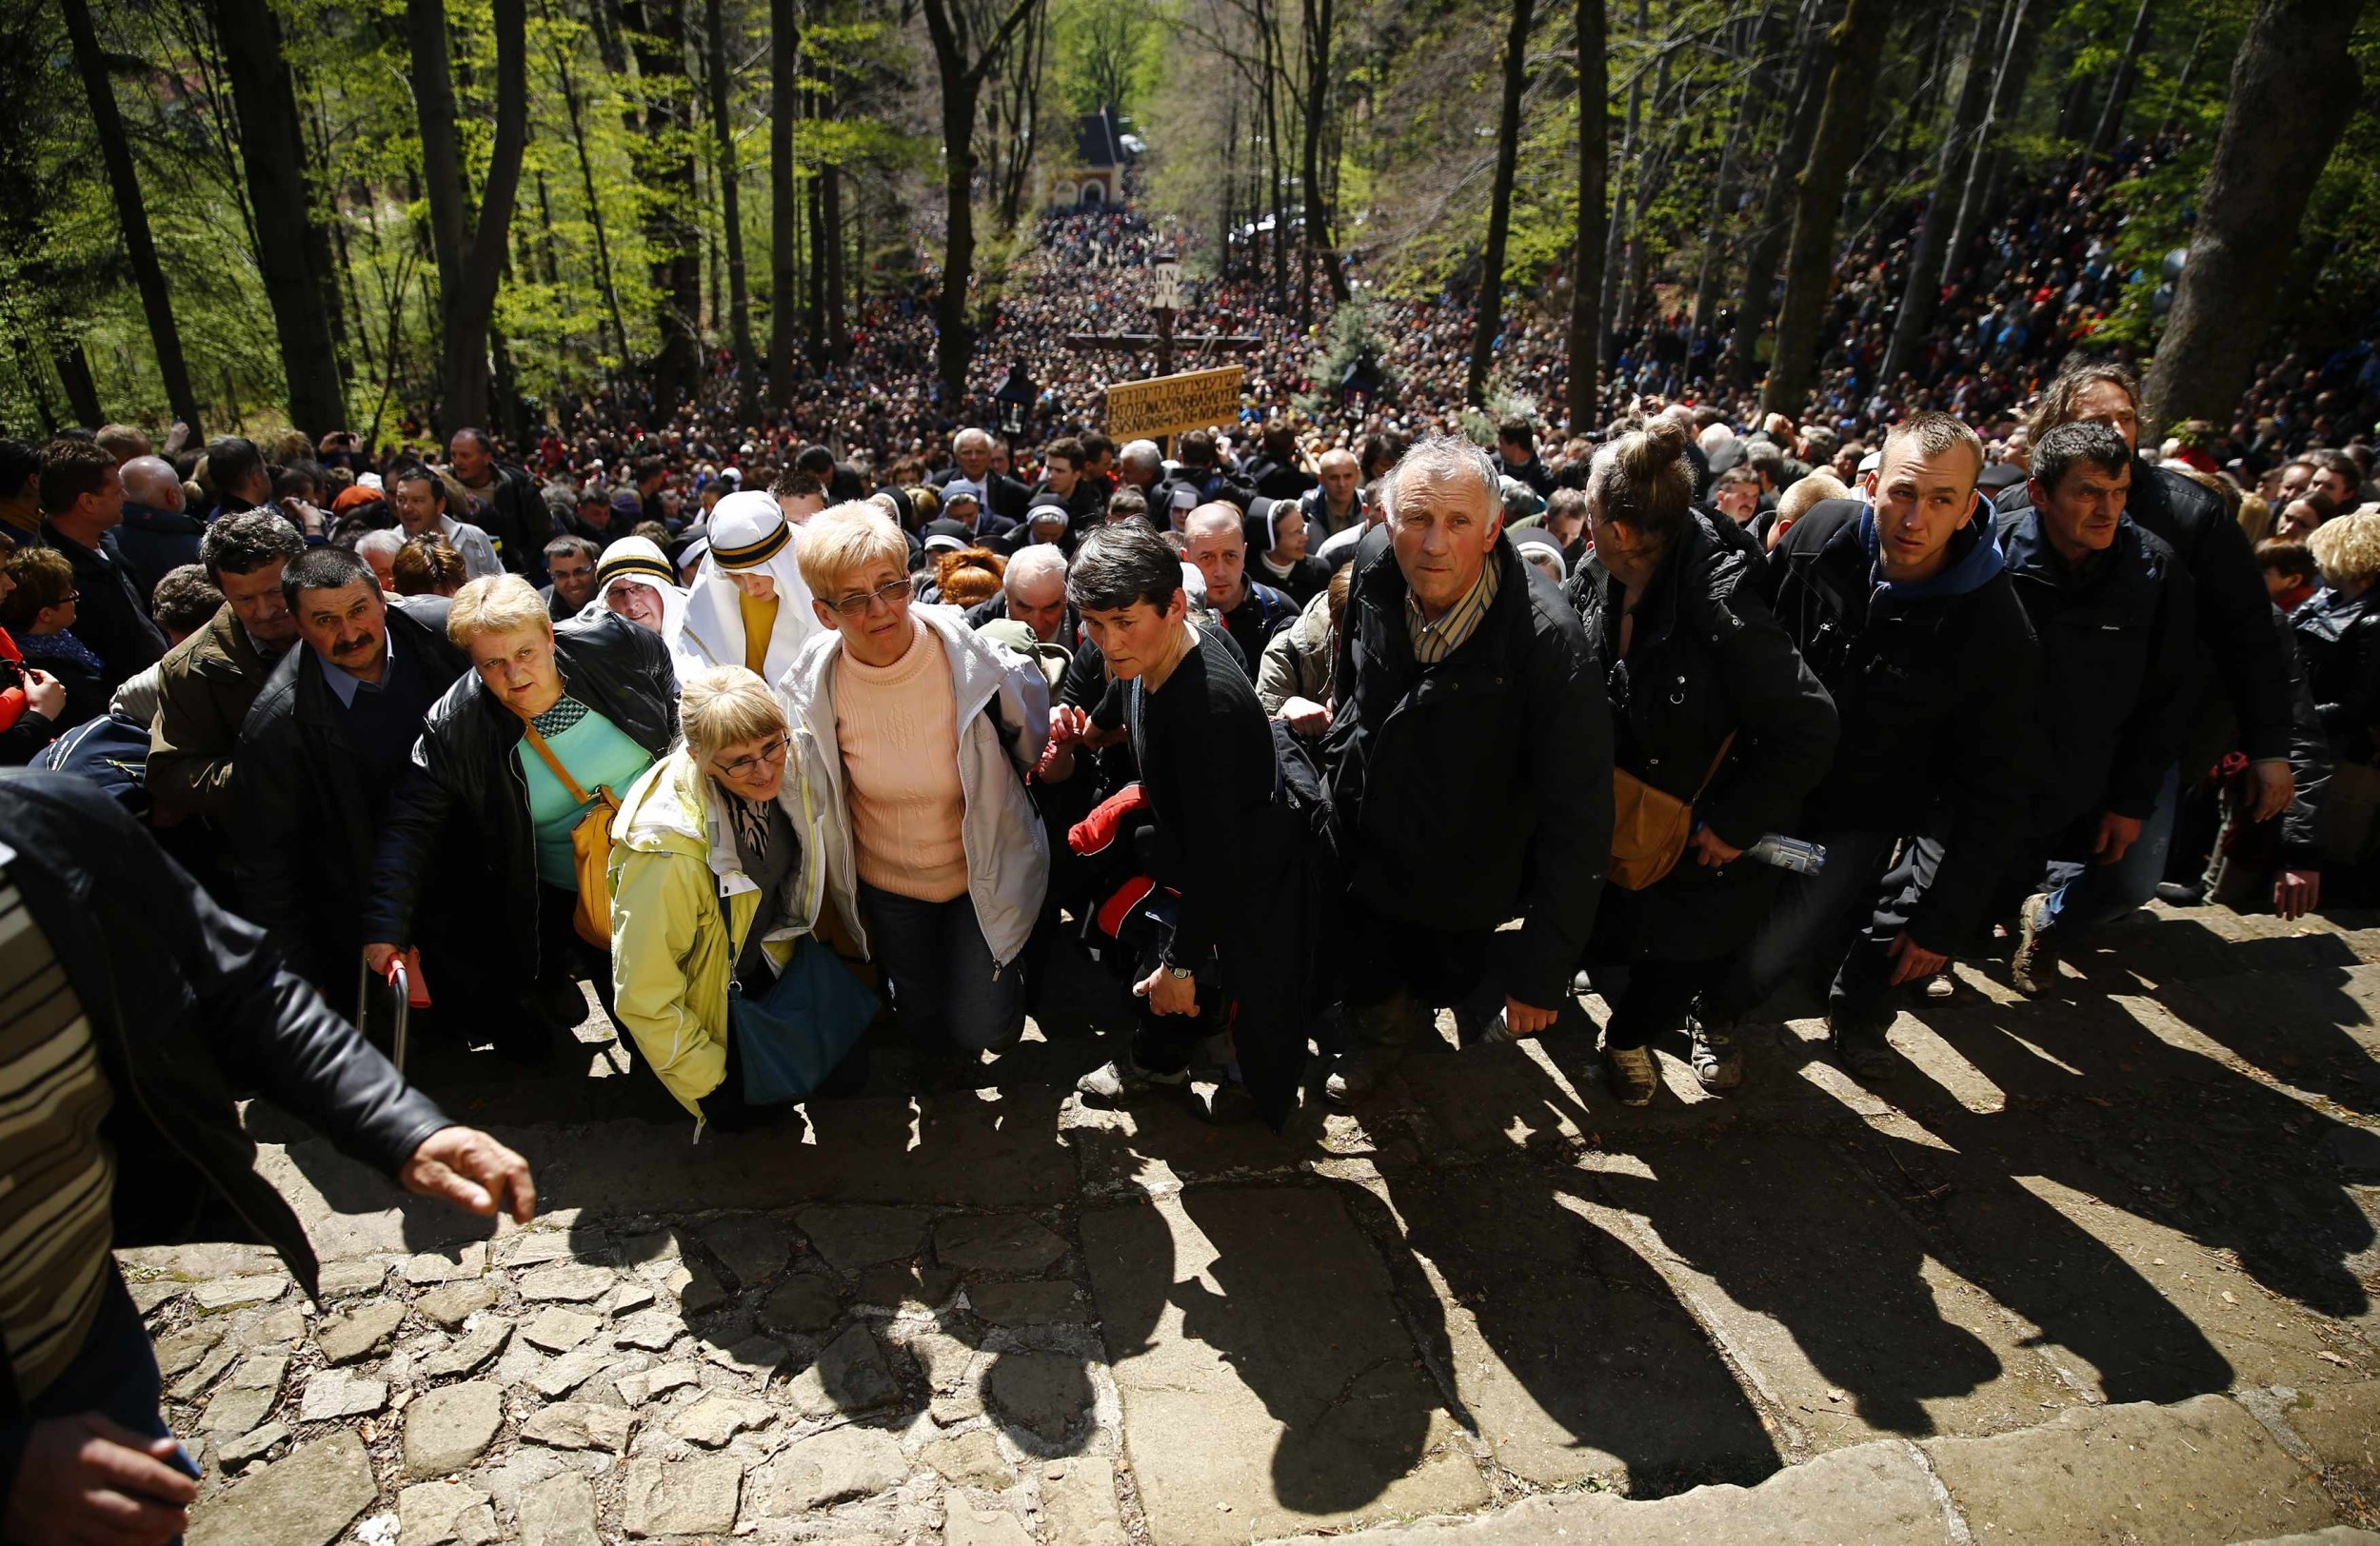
(791, 1037)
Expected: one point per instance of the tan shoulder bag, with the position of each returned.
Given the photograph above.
(1650, 827)
(590, 847)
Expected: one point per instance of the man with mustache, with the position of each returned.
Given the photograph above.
(330, 738)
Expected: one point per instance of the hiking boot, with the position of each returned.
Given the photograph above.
(1123, 1082)
(1940, 987)
(1862, 1054)
(2033, 968)
(2181, 893)
(1716, 1058)
(1580, 984)
(1632, 1075)
(1473, 1028)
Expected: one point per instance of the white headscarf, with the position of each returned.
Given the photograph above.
(748, 535)
(638, 562)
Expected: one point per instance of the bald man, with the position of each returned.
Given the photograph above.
(1336, 502)
(157, 536)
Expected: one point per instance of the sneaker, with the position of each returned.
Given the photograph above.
(2033, 968)
(1940, 987)
(1861, 1053)
(1717, 1061)
(1472, 1029)
(2181, 893)
(1580, 984)
(1632, 1075)
(1122, 1082)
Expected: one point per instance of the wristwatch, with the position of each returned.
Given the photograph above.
(1180, 974)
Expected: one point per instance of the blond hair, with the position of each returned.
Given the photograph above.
(1794, 503)
(844, 541)
(494, 603)
(725, 705)
(2347, 548)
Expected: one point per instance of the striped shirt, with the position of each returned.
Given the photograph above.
(1434, 642)
(56, 1172)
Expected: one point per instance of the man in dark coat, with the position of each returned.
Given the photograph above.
(2238, 648)
(82, 499)
(1905, 613)
(158, 535)
(506, 502)
(1472, 753)
(155, 1011)
(327, 743)
(2112, 607)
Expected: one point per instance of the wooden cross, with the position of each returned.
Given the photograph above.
(1164, 302)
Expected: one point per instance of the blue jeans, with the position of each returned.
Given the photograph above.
(114, 1375)
(1811, 913)
(946, 988)
(2084, 895)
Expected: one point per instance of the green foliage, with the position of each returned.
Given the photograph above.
(1353, 334)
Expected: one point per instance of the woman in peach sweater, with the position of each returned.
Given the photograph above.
(922, 731)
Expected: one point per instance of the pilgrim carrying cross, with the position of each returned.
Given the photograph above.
(1164, 302)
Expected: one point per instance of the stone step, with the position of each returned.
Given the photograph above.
(2201, 1473)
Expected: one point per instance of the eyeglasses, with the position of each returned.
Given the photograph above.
(892, 595)
(772, 753)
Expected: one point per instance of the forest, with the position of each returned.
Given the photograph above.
(393, 214)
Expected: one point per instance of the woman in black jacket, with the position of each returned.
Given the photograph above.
(1712, 704)
(602, 694)
(2338, 634)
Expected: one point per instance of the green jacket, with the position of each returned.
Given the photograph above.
(673, 862)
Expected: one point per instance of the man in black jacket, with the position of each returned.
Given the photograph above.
(82, 501)
(2112, 607)
(1906, 613)
(2237, 644)
(329, 738)
(1473, 755)
(159, 1009)
(506, 502)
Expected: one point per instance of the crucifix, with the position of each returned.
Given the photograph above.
(1164, 302)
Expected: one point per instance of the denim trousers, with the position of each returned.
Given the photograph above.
(948, 991)
(2082, 895)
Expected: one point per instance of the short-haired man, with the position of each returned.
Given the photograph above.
(1335, 501)
(1128, 503)
(1139, 465)
(971, 460)
(506, 502)
(2113, 608)
(1061, 476)
(236, 466)
(20, 494)
(2337, 476)
(800, 494)
(1472, 745)
(1215, 838)
(417, 495)
(1735, 494)
(210, 680)
(1217, 541)
(1033, 592)
(1273, 471)
(842, 484)
(1906, 613)
(571, 563)
(2239, 643)
(325, 742)
(1203, 479)
(1517, 455)
(158, 535)
(83, 497)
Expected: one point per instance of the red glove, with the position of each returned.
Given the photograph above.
(1108, 820)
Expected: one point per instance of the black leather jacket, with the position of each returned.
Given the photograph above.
(2339, 642)
(190, 1006)
(464, 769)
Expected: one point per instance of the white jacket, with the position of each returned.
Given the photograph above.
(1006, 847)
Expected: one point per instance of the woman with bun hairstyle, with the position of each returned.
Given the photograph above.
(1712, 705)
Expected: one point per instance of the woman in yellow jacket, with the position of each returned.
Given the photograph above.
(716, 869)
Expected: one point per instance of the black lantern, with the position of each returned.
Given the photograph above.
(1016, 398)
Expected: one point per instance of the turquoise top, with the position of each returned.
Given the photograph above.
(598, 753)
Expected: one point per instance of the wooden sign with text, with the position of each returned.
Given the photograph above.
(1169, 404)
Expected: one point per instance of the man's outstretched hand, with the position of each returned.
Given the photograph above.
(473, 1172)
(82, 1480)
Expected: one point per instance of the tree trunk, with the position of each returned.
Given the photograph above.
(1809, 255)
(1923, 288)
(272, 153)
(1320, 17)
(1269, 34)
(82, 392)
(2008, 78)
(1586, 262)
(1607, 304)
(784, 102)
(1489, 322)
(1722, 209)
(132, 214)
(594, 207)
(962, 68)
(830, 218)
(470, 255)
(663, 159)
(739, 295)
(2276, 136)
(1776, 200)
(2112, 116)
(814, 283)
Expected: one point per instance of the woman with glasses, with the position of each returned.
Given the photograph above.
(518, 749)
(634, 580)
(917, 733)
(716, 871)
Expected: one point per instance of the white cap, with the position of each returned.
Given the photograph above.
(747, 528)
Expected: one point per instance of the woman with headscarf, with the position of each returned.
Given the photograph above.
(1277, 535)
(635, 581)
(747, 606)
